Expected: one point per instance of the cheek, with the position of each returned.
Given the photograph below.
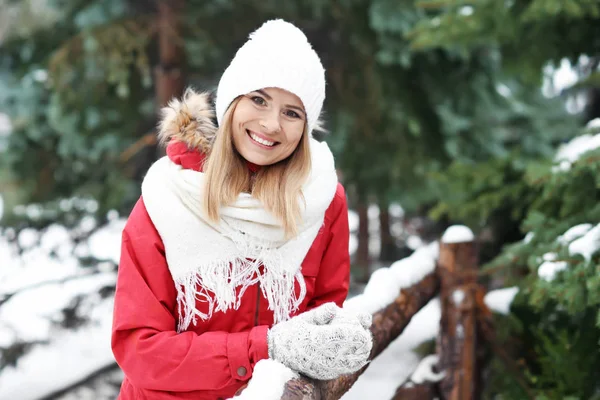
(237, 126)
(295, 134)
(241, 114)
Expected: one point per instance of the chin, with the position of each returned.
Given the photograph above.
(258, 160)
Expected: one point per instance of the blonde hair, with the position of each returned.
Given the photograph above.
(277, 186)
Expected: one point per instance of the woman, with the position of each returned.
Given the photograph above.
(237, 250)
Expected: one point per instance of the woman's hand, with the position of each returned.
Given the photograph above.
(323, 343)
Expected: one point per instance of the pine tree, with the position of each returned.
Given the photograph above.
(553, 330)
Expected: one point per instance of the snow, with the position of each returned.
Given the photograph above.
(593, 124)
(385, 283)
(503, 90)
(43, 281)
(27, 238)
(106, 242)
(398, 361)
(414, 242)
(35, 267)
(458, 234)
(396, 210)
(528, 237)
(499, 300)
(353, 244)
(53, 238)
(570, 152)
(548, 269)
(586, 245)
(574, 233)
(353, 221)
(41, 315)
(583, 239)
(34, 211)
(268, 381)
(458, 296)
(5, 130)
(425, 373)
(70, 356)
(559, 79)
(466, 11)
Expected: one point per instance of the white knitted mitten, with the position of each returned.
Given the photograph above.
(323, 343)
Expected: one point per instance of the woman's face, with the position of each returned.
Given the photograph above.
(267, 125)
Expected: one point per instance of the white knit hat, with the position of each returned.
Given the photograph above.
(279, 55)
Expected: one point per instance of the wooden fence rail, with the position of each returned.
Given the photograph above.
(388, 324)
(458, 344)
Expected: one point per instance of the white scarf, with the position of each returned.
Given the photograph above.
(210, 261)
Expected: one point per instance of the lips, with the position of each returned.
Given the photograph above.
(261, 140)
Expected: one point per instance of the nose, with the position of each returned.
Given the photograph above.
(270, 123)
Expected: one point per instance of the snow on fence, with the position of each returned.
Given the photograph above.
(394, 296)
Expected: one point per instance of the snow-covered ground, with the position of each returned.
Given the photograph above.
(35, 288)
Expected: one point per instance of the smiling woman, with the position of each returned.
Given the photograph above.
(237, 250)
(263, 148)
(267, 125)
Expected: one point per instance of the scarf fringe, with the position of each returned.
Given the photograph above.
(217, 284)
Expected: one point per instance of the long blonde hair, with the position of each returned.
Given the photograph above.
(277, 186)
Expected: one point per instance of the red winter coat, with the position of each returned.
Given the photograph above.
(215, 358)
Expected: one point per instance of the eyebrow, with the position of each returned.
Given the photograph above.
(287, 105)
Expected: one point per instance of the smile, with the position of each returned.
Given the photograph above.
(259, 140)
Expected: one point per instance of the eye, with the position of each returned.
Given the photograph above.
(292, 114)
(258, 100)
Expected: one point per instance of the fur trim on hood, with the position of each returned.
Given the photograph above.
(189, 120)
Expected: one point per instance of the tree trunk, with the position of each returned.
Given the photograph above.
(363, 260)
(169, 82)
(169, 77)
(458, 339)
(388, 244)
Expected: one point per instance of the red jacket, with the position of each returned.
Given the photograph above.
(214, 358)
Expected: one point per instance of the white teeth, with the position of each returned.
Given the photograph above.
(261, 141)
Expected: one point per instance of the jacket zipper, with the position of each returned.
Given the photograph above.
(257, 304)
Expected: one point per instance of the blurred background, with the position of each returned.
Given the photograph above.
(483, 113)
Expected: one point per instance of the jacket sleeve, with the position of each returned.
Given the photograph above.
(333, 279)
(144, 340)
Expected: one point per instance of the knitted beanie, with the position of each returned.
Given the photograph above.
(279, 55)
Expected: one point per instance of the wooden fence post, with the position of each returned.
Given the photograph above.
(458, 339)
(410, 391)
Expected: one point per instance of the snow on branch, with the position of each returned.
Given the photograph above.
(570, 152)
(582, 239)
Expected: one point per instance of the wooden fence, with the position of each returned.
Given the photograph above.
(464, 319)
